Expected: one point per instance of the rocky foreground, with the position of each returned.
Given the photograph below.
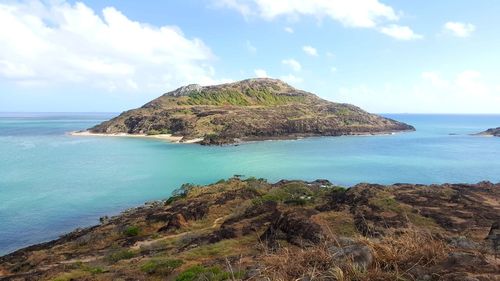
(491, 132)
(253, 109)
(292, 230)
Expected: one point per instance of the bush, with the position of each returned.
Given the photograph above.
(132, 231)
(180, 193)
(213, 273)
(291, 193)
(94, 270)
(153, 132)
(120, 255)
(161, 266)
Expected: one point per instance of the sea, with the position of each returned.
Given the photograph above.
(52, 182)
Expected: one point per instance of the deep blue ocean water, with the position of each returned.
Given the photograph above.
(51, 183)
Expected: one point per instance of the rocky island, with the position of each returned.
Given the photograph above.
(253, 109)
(491, 132)
(249, 229)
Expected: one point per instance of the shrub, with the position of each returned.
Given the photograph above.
(153, 132)
(94, 270)
(180, 193)
(292, 193)
(120, 255)
(213, 273)
(132, 231)
(160, 266)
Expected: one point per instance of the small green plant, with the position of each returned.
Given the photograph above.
(94, 270)
(213, 273)
(132, 231)
(160, 266)
(72, 275)
(249, 179)
(291, 193)
(120, 255)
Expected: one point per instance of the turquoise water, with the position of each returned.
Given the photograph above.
(51, 183)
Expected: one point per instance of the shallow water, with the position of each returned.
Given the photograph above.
(51, 183)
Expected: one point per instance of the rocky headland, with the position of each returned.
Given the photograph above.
(491, 132)
(249, 229)
(252, 109)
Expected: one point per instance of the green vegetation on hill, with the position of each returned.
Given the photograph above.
(218, 98)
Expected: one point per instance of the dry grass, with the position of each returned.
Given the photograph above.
(394, 258)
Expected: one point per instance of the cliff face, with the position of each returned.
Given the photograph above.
(252, 109)
(290, 230)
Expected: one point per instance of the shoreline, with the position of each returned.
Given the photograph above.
(178, 139)
(165, 137)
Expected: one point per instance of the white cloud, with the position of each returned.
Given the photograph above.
(459, 29)
(292, 79)
(465, 91)
(289, 30)
(56, 43)
(353, 13)
(470, 81)
(435, 79)
(251, 48)
(261, 73)
(333, 69)
(293, 64)
(400, 32)
(310, 51)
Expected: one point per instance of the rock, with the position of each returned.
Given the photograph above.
(494, 237)
(252, 272)
(463, 242)
(466, 260)
(361, 255)
(104, 219)
(177, 221)
(294, 227)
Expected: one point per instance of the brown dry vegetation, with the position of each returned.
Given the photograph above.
(292, 230)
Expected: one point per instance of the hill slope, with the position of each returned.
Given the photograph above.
(252, 109)
(290, 230)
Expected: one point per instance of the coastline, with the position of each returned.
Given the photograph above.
(165, 137)
(179, 139)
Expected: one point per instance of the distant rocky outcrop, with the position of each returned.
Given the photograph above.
(253, 109)
(249, 229)
(491, 132)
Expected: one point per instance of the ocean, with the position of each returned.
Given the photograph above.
(52, 183)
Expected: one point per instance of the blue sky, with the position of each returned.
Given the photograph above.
(384, 56)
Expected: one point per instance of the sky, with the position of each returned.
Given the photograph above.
(384, 56)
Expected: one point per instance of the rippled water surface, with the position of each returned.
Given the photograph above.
(51, 183)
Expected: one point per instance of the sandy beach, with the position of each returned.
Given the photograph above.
(166, 137)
